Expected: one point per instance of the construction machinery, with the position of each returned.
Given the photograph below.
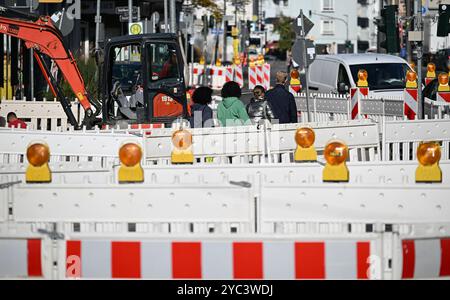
(142, 80)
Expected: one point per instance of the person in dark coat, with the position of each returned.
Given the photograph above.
(201, 113)
(282, 102)
(259, 109)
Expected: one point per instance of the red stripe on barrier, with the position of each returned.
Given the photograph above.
(126, 259)
(309, 260)
(364, 91)
(409, 257)
(355, 112)
(34, 258)
(445, 258)
(445, 96)
(353, 92)
(73, 259)
(363, 253)
(186, 260)
(248, 260)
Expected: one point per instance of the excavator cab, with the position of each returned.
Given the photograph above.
(143, 80)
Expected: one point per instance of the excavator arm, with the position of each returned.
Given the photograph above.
(41, 35)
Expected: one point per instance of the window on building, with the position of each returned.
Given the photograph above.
(327, 27)
(363, 22)
(327, 5)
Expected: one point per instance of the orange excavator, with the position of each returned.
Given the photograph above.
(142, 80)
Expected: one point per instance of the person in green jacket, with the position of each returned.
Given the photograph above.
(231, 111)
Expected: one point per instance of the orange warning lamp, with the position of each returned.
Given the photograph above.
(336, 154)
(218, 62)
(412, 65)
(431, 70)
(38, 171)
(295, 80)
(202, 60)
(411, 80)
(305, 138)
(295, 74)
(362, 78)
(182, 143)
(429, 155)
(130, 156)
(443, 83)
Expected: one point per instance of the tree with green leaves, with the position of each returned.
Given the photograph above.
(287, 34)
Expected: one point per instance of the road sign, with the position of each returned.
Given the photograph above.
(123, 10)
(136, 28)
(297, 26)
(298, 49)
(124, 19)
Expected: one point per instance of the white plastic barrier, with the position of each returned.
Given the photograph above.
(249, 144)
(101, 147)
(209, 258)
(263, 209)
(401, 138)
(46, 115)
(329, 107)
(436, 109)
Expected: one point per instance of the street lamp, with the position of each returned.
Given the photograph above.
(345, 21)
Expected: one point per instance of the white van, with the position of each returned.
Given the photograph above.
(338, 73)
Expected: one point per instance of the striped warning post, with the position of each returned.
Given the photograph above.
(411, 104)
(252, 78)
(333, 259)
(217, 77)
(443, 97)
(266, 74)
(239, 75)
(426, 258)
(354, 103)
(259, 75)
(228, 73)
(20, 258)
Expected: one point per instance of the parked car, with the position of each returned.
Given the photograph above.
(338, 73)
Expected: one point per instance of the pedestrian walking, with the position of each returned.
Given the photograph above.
(259, 109)
(201, 113)
(231, 111)
(282, 101)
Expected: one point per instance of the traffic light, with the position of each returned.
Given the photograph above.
(388, 27)
(444, 16)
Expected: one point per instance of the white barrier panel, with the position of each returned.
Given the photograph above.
(46, 115)
(401, 138)
(247, 141)
(329, 107)
(251, 258)
(98, 146)
(436, 109)
(227, 194)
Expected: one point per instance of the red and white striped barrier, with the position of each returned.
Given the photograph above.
(229, 74)
(259, 75)
(217, 77)
(333, 259)
(443, 97)
(20, 258)
(411, 104)
(266, 75)
(239, 75)
(426, 258)
(356, 94)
